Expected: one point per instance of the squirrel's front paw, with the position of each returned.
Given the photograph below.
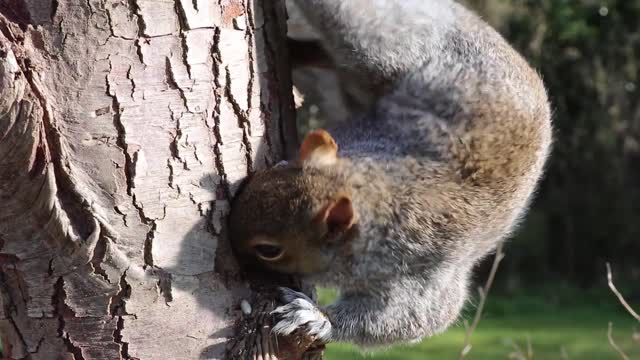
(301, 313)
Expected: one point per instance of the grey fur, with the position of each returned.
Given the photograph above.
(439, 171)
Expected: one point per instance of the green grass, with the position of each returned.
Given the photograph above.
(575, 323)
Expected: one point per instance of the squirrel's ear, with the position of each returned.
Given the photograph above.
(339, 215)
(318, 146)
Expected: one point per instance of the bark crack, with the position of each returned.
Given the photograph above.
(124, 216)
(216, 57)
(148, 245)
(111, 30)
(171, 184)
(251, 44)
(117, 338)
(164, 285)
(171, 81)
(99, 253)
(175, 151)
(121, 141)
(135, 11)
(243, 117)
(50, 268)
(182, 24)
(35, 351)
(90, 7)
(18, 332)
(133, 83)
(138, 46)
(63, 310)
(54, 9)
(117, 307)
(118, 301)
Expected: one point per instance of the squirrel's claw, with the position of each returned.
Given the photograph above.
(288, 295)
(301, 313)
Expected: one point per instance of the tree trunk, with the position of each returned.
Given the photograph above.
(125, 127)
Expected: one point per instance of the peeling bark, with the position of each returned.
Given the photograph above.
(125, 129)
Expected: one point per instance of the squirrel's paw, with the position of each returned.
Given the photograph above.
(301, 313)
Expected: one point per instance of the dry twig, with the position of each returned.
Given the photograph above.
(518, 353)
(615, 346)
(626, 305)
(619, 295)
(484, 292)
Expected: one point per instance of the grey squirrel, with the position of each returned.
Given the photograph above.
(396, 206)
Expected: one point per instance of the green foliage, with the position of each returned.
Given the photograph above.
(587, 209)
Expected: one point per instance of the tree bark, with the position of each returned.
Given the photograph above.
(125, 128)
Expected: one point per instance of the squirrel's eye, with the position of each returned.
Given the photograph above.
(269, 252)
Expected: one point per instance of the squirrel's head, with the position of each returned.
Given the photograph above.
(298, 217)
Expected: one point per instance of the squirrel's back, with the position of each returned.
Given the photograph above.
(464, 136)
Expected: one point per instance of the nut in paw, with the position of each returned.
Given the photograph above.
(301, 313)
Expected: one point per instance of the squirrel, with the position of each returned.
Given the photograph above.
(397, 205)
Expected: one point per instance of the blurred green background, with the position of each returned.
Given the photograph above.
(588, 207)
